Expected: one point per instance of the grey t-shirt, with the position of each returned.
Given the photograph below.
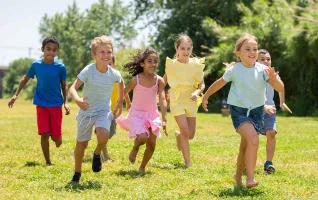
(98, 88)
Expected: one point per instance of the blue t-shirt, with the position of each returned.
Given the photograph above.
(48, 88)
(248, 85)
(98, 87)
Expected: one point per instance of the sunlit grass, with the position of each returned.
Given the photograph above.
(23, 174)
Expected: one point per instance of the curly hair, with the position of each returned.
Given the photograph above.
(50, 39)
(134, 66)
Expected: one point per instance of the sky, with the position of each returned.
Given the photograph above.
(19, 25)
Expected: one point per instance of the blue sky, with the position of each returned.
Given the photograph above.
(19, 22)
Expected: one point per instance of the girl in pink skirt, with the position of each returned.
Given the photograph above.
(143, 120)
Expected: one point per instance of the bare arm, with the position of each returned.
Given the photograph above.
(127, 98)
(131, 85)
(277, 84)
(165, 78)
(119, 104)
(78, 100)
(65, 96)
(22, 84)
(163, 103)
(217, 85)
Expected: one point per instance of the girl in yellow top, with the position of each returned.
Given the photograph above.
(184, 75)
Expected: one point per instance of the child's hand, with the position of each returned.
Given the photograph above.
(81, 102)
(118, 110)
(164, 127)
(205, 104)
(270, 71)
(194, 96)
(284, 107)
(270, 109)
(67, 109)
(12, 100)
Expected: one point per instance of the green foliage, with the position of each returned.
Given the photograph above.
(17, 69)
(174, 17)
(75, 31)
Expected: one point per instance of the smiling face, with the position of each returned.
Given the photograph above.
(248, 53)
(50, 51)
(150, 64)
(103, 54)
(184, 50)
(265, 59)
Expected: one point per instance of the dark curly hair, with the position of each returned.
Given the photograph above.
(50, 39)
(134, 67)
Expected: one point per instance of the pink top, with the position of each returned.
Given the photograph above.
(143, 115)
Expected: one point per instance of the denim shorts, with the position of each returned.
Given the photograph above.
(269, 123)
(255, 116)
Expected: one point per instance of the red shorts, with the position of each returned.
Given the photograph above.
(49, 120)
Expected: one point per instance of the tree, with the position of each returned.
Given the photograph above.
(75, 31)
(17, 69)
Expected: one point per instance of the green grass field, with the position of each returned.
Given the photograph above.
(23, 174)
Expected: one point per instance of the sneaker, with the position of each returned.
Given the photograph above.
(76, 177)
(269, 167)
(97, 163)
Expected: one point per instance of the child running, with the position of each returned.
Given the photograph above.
(269, 128)
(184, 75)
(51, 79)
(143, 120)
(98, 79)
(114, 99)
(247, 98)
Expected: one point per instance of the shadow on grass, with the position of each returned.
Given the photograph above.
(175, 165)
(75, 187)
(240, 192)
(131, 173)
(31, 164)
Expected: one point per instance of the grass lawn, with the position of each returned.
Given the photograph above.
(23, 174)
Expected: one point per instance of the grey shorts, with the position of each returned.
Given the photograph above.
(113, 126)
(269, 123)
(85, 124)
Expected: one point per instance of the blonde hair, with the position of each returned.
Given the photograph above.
(182, 37)
(102, 40)
(240, 42)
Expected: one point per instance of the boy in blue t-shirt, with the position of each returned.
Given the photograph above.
(51, 78)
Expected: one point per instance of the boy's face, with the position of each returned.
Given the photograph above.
(248, 52)
(184, 50)
(103, 54)
(50, 51)
(265, 59)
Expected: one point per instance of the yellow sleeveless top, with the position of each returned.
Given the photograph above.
(184, 78)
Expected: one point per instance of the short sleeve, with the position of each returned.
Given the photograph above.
(228, 74)
(117, 76)
(63, 73)
(83, 74)
(31, 71)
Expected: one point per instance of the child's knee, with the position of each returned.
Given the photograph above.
(45, 136)
(143, 138)
(253, 140)
(185, 132)
(270, 134)
(151, 145)
(82, 145)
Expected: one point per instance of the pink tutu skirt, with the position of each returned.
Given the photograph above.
(138, 122)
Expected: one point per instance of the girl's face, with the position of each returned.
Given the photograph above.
(103, 54)
(248, 53)
(265, 59)
(150, 64)
(184, 50)
(50, 51)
